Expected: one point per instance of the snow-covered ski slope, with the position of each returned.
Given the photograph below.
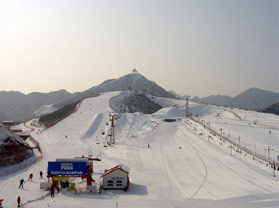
(179, 169)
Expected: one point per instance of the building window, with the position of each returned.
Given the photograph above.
(110, 183)
(119, 183)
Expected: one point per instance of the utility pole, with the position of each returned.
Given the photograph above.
(274, 168)
(187, 105)
(238, 144)
(231, 147)
(268, 153)
(255, 151)
(221, 133)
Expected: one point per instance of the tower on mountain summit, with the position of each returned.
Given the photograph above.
(135, 71)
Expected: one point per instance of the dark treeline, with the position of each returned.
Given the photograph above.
(52, 118)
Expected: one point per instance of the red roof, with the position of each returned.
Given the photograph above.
(121, 167)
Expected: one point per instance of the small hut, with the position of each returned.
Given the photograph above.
(116, 178)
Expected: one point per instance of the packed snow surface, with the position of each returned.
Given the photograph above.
(180, 168)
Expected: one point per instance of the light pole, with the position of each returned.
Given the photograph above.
(231, 147)
(239, 144)
(187, 105)
(268, 153)
(221, 134)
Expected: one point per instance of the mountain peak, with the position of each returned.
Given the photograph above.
(132, 81)
(253, 99)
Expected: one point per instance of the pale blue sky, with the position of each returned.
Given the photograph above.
(198, 47)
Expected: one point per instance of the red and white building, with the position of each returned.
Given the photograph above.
(116, 178)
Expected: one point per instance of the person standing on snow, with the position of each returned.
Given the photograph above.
(30, 177)
(21, 183)
(1, 200)
(58, 189)
(52, 191)
(41, 174)
(18, 201)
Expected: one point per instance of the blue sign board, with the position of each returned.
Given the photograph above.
(66, 168)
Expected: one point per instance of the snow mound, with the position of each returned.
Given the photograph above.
(227, 114)
(170, 112)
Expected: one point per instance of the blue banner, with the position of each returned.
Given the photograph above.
(66, 168)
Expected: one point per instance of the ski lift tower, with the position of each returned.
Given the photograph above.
(187, 113)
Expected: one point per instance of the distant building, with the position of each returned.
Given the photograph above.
(116, 178)
(135, 71)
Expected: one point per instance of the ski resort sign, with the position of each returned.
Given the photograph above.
(66, 168)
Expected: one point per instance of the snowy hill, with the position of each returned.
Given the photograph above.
(183, 166)
(43, 110)
(18, 106)
(133, 81)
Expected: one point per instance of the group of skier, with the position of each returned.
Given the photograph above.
(21, 186)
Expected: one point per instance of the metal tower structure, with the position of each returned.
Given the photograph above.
(112, 137)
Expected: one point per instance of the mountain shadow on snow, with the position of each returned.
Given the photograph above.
(132, 102)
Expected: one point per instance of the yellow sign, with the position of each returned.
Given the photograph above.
(72, 187)
(60, 178)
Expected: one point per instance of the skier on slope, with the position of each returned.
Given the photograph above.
(58, 189)
(21, 183)
(18, 201)
(41, 174)
(52, 191)
(1, 200)
(30, 177)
